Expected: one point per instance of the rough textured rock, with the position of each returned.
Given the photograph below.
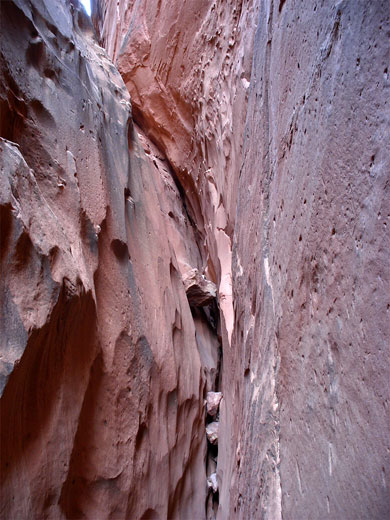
(305, 369)
(187, 67)
(213, 400)
(200, 292)
(104, 367)
(256, 152)
(307, 414)
(212, 432)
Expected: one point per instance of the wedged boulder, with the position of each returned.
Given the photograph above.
(212, 403)
(212, 483)
(199, 290)
(212, 430)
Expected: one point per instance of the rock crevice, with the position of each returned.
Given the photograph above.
(194, 259)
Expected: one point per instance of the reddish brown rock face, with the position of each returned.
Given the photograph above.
(104, 367)
(311, 271)
(305, 375)
(187, 67)
(252, 165)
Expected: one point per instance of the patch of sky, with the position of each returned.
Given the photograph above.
(87, 6)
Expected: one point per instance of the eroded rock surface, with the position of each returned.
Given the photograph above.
(104, 367)
(305, 364)
(254, 149)
(187, 67)
(306, 415)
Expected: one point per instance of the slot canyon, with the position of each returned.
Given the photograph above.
(195, 260)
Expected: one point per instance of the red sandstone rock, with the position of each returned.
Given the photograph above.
(104, 365)
(307, 379)
(187, 67)
(305, 368)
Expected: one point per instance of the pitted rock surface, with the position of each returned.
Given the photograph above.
(246, 140)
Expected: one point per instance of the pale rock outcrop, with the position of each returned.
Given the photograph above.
(212, 430)
(213, 400)
(212, 482)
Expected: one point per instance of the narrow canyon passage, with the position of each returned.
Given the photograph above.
(194, 262)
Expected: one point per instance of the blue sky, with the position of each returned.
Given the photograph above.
(87, 5)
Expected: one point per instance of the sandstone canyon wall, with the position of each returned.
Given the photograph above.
(252, 153)
(104, 365)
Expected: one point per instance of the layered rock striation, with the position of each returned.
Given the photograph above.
(221, 231)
